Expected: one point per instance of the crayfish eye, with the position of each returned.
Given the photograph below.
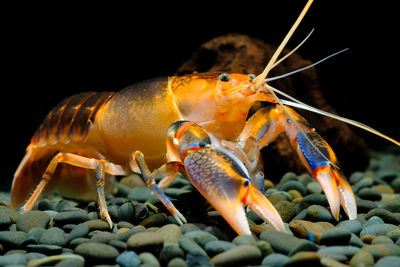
(246, 183)
(252, 76)
(224, 77)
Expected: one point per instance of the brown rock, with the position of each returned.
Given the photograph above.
(240, 53)
(303, 229)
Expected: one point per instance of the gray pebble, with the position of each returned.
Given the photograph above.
(314, 187)
(198, 259)
(315, 199)
(5, 221)
(394, 235)
(70, 262)
(355, 241)
(13, 259)
(177, 262)
(280, 242)
(293, 184)
(10, 212)
(244, 240)
(126, 212)
(188, 227)
(34, 255)
(141, 194)
(214, 247)
(239, 255)
(392, 261)
(53, 236)
(12, 239)
(318, 213)
(305, 245)
(80, 230)
(335, 236)
(191, 246)
(353, 226)
(97, 252)
(73, 217)
(200, 237)
(275, 260)
(32, 219)
(378, 229)
(170, 251)
(128, 259)
(349, 251)
(369, 194)
(382, 250)
(145, 241)
(149, 258)
(45, 249)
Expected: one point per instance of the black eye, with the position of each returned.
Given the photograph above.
(252, 76)
(202, 144)
(224, 77)
(246, 183)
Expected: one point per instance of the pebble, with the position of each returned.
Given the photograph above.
(145, 241)
(244, 240)
(74, 217)
(13, 259)
(239, 255)
(362, 257)
(170, 251)
(80, 230)
(304, 258)
(53, 236)
(200, 237)
(215, 247)
(335, 236)
(306, 229)
(45, 249)
(12, 239)
(294, 184)
(318, 213)
(382, 250)
(286, 209)
(177, 262)
(155, 220)
(275, 260)
(32, 219)
(392, 261)
(378, 229)
(198, 259)
(353, 226)
(97, 252)
(170, 233)
(5, 221)
(128, 259)
(280, 242)
(149, 258)
(191, 246)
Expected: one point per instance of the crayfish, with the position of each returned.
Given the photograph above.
(195, 124)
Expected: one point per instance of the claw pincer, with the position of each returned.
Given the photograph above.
(220, 177)
(314, 152)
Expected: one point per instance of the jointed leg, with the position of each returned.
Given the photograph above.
(102, 167)
(137, 156)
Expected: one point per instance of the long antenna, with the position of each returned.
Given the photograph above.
(260, 78)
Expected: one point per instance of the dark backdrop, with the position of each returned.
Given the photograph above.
(53, 51)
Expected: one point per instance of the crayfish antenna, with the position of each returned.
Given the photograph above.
(301, 105)
(260, 78)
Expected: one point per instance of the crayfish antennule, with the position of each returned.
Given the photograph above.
(260, 78)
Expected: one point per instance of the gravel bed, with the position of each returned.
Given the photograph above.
(65, 232)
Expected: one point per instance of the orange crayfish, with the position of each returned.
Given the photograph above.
(194, 124)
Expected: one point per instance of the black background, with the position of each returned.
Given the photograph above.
(53, 51)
